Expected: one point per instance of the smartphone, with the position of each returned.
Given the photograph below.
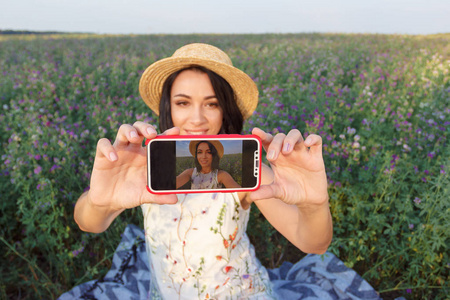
(203, 164)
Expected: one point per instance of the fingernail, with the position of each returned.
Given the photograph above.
(271, 154)
(133, 134)
(287, 147)
(113, 156)
(150, 130)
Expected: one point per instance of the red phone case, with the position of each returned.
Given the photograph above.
(211, 137)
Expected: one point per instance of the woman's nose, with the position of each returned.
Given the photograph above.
(197, 116)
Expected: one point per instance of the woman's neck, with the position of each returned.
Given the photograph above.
(206, 170)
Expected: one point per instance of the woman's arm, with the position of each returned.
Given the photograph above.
(294, 196)
(118, 179)
(184, 177)
(308, 227)
(91, 217)
(226, 179)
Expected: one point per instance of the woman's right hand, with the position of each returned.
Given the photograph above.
(119, 174)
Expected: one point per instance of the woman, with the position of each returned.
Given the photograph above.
(197, 245)
(206, 174)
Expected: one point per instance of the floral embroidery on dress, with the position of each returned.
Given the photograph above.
(201, 180)
(190, 259)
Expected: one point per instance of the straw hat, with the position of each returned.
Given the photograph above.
(210, 57)
(218, 145)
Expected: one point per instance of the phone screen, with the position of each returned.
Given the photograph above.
(187, 165)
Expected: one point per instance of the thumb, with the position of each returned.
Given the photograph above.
(266, 192)
(314, 142)
(159, 199)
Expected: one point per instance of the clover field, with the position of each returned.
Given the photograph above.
(381, 104)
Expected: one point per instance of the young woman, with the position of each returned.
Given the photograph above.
(206, 174)
(196, 243)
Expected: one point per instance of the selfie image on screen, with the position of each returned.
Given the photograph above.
(210, 164)
(203, 165)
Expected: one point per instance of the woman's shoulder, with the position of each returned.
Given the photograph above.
(222, 173)
(189, 171)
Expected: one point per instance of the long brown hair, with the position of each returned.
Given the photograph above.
(232, 122)
(214, 153)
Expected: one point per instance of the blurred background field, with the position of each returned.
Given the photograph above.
(380, 103)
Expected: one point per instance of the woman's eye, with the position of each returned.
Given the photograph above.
(181, 103)
(212, 104)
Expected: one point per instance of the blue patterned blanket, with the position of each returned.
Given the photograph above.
(313, 277)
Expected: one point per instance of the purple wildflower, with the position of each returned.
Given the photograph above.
(37, 170)
(54, 167)
(279, 105)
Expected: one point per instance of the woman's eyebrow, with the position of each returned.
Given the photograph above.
(182, 95)
(189, 97)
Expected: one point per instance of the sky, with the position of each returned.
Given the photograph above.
(232, 16)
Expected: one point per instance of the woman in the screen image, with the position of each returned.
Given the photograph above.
(206, 173)
(197, 244)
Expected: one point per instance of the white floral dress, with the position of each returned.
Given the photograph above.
(201, 180)
(198, 249)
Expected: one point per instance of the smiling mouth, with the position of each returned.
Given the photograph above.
(196, 132)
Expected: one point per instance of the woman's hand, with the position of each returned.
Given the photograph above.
(119, 175)
(294, 196)
(299, 176)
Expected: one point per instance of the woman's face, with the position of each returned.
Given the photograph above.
(204, 155)
(195, 108)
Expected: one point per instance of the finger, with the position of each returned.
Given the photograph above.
(127, 134)
(105, 149)
(314, 142)
(159, 199)
(266, 192)
(172, 131)
(274, 148)
(293, 138)
(146, 130)
(266, 138)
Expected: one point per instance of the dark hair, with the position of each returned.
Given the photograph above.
(232, 121)
(215, 157)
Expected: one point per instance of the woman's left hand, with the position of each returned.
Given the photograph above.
(299, 176)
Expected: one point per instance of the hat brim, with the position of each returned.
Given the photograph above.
(153, 78)
(218, 145)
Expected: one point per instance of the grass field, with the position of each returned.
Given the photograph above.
(380, 103)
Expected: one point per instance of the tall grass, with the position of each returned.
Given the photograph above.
(380, 103)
